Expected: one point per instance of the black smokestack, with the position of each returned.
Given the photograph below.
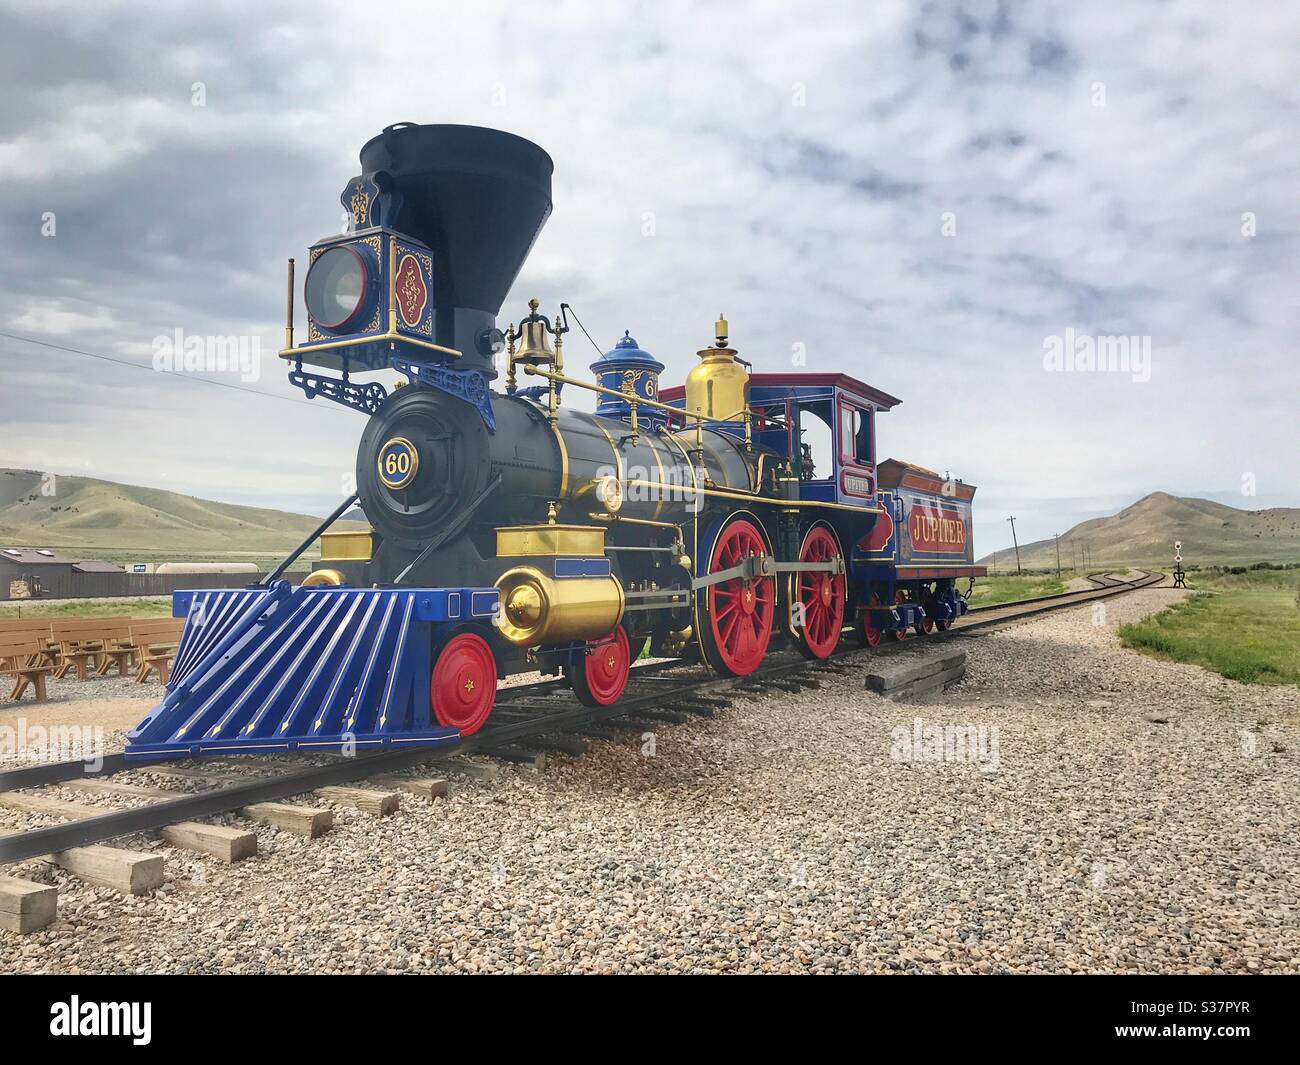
(477, 197)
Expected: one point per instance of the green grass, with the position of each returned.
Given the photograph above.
(1011, 589)
(1245, 626)
(90, 608)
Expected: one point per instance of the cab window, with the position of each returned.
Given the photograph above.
(855, 434)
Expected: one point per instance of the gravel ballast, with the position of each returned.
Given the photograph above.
(1129, 815)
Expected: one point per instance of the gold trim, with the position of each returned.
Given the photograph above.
(686, 458)
(618, 457)
(288, 318)
(346, 546)
(620, 519)
(694, 486)
(663, 474)
(301, 352)
(410, 474)
(559, 378)
(750, 498)
(579, 540)
(319, 577)
(564, 458)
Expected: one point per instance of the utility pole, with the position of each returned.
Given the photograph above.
(1014, 541)
(1057, 538)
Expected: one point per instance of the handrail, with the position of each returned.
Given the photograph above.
(633, 401)
(338, 513)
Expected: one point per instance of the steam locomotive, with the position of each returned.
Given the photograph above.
(511, 531)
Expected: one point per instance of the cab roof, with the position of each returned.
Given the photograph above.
(795, 385)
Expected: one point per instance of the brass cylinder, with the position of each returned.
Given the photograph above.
(539, 609)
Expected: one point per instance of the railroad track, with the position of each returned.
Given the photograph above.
(528, 719)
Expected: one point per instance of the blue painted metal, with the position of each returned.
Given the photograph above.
(467, 385)
(581, 567)
(365, 398)
(629, 370)
(293, 668)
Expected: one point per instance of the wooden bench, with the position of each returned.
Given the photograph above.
(22, 656)
(155, 641)
(38, 627)
(86, 639)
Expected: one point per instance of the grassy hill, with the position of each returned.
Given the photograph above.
(90, 518)
(1212, 534)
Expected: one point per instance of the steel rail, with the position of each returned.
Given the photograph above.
(238, 794)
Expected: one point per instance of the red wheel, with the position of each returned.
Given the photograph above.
(944, 625)
(869, 636)
(898, 634)
(821, 595)
(464, 683)
(601, 675)
(738, 613)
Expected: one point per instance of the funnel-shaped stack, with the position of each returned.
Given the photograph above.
(478, 197)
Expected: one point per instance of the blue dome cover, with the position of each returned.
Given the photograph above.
(628, 352)
(632, 371)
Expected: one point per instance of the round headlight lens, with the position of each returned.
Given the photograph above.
(336, 286)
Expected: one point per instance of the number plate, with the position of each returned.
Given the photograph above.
(399, 462)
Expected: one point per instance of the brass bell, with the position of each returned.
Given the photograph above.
(535, 343)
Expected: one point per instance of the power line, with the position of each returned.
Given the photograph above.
(599, 349)
(183, 377)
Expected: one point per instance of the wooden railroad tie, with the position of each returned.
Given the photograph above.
(309, 821)
(130, 872)
(228, 844)
(425, 787)
(26, 907)
(367, 800)
(484, 772)
(523, 756)
(672, 717)
(566, 744)
(903, 677)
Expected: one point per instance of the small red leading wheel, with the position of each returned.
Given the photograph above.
(926, 625)
(464, 683)
(599, 672)
(869, 636)
(819, 595)
(898, 634)
(738, 613)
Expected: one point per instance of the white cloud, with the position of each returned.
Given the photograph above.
(817, 224)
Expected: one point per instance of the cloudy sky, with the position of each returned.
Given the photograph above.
(922, 195)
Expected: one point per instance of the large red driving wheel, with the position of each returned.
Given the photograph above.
(821, 595)
(738, 613)
(464, 683)
(599, 672)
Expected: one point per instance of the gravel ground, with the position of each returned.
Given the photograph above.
(1132, 815)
